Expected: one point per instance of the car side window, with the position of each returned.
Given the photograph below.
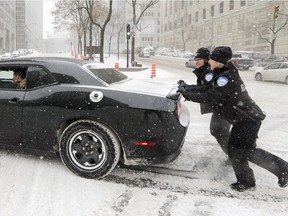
(38, 76)
(6, 79)
(274, 66)
(284, 66)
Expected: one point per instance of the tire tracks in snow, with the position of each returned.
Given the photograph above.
(214, 189)
(122, 201)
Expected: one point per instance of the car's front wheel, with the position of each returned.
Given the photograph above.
(89, 149)
(258, 77)
(286, 80)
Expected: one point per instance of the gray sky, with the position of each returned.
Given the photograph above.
(47, 18)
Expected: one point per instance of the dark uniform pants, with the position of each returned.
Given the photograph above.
(220, 129)
(242, 147)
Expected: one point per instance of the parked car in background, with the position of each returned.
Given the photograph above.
(6, 55)
(242, 62)
(91, 116)
(144, 53)
(188, 55)
(15, 54)
(268, 60)
(190, 63)
(150, 49)
(249, 54)
(162, 51)
(277, 71)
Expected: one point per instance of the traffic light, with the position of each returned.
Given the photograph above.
(275, 11)
(128, 35)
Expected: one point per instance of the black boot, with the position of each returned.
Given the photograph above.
(238, 186)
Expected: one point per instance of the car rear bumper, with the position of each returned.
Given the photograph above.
(154, 160)
(166, 150)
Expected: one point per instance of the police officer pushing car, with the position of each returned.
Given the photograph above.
(219, 127)
(230, 100)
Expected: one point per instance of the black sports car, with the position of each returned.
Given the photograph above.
(92, 116)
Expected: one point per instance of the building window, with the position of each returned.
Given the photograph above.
(221, 8)
(204, 14)
(189, 19)
(175, 6)
(242, 3)
(212, 11)
(231, 5)
(196, 16)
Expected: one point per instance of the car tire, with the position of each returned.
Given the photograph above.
(245, 68)
(286, 80)
(186, 64)
(89, 149)
(258, 77)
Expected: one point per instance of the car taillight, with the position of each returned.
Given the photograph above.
(145, 143)
(179, 108)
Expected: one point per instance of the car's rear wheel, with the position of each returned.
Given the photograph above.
(286, 80)
(258, 77)
(89, 149)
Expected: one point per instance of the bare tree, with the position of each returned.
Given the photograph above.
(265, 31)
(84, 20)
(99, 21)
(136, 19)
(186, 35)
(68, 16)
(114, 26)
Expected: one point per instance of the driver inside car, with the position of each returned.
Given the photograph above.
(19, 77)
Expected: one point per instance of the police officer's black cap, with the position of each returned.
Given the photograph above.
(221, 54)
(202, 53)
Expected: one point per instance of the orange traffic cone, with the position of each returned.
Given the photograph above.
(116, 67)
(153, 71)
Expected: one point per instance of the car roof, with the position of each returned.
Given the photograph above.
(39, 59)
(60, 65)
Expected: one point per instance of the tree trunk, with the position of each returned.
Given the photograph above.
(102, 45)
(90, 40)
(273, 46)
(84, 42)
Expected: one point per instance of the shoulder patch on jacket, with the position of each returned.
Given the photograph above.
(222, 81)
(209, 77)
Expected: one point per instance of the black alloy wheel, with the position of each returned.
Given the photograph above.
(89, 149)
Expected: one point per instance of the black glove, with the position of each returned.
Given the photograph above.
(181, 89)
(181, 84)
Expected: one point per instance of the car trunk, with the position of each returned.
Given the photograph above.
(146, 87)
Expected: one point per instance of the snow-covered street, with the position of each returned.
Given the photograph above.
(198, 183)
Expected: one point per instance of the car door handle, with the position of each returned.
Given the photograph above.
(14, 100)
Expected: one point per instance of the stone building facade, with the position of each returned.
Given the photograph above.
(190, 24)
